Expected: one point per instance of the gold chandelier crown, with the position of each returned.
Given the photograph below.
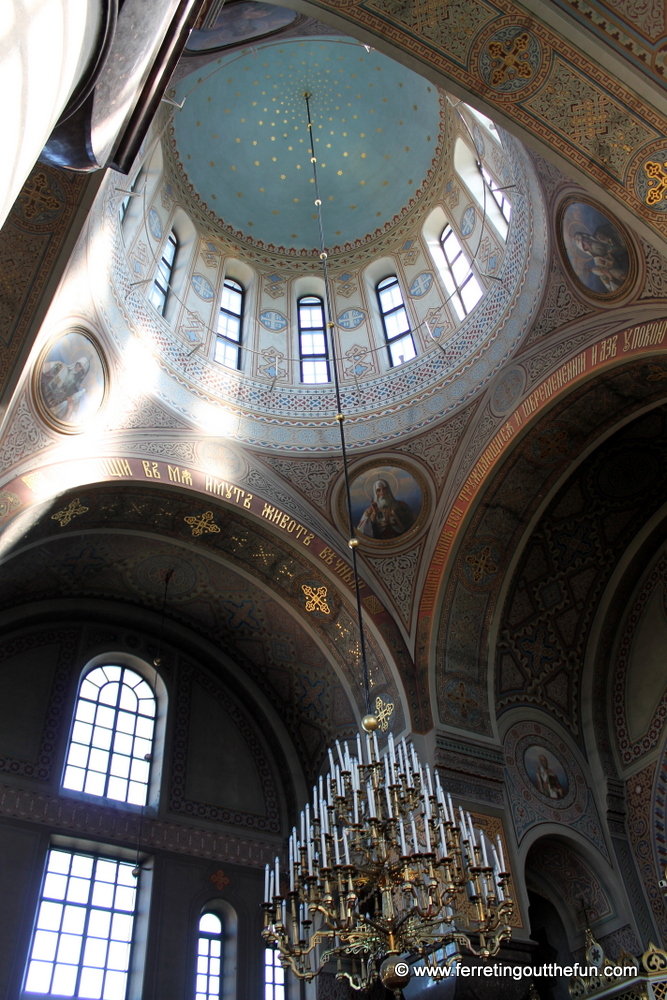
(384, 866)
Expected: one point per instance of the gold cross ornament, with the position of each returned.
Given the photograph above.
(316, 599)
(202, 523)
(67, 514)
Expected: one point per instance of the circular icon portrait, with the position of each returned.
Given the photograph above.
(546, 772)
(596, 250)
(70, 381)
(388, 502)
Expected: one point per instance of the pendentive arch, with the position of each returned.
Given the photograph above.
(512, 498)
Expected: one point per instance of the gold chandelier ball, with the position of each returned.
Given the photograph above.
(394, 973)
(369, 723)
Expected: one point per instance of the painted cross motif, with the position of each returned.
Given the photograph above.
(510, 62)
(316, 599)
(463, 700)
(657, 178)
(219, 879)
(262, 554)
(36, 197)
(590, 118)
(482, 563)
(202, 523)
(67, 514)
(384, 711)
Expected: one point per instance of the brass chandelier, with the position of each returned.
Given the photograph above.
(382, 869)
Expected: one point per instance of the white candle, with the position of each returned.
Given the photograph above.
(427, 805)
(267, 898)
(371, 800)
(331, 760)
(277, 877)
(428, 779)
(485, 859)
(323, 843)
(404, 850)
(427, 835)
(340, 755)
(355, 797)
(414, 834)
(303, 828)
(368, 749)
(391, 748)
(336, 847)
(390, 814)
(500, 853)
(346, 846)
(443, 841)
(271, 893)
(315, 803)
(375, 745)
(291, 865)
(451, 806)
(359, 757)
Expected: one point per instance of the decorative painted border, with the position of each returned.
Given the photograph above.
(632, 750)
(42, 769)
(178, 802)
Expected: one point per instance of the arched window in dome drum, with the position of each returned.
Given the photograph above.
(463, 287)
(133, 192)
(209, 957)
(312, 340)
(395, 321)
(111, 744)
(497, 193)
(160, 289)
(230, 321)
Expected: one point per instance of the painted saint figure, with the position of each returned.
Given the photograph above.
(547, 781)
(609, 255)
(62, 387)
(386, 517)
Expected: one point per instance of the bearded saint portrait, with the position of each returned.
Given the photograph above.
(386, 517)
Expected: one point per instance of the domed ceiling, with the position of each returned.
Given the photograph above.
(241, 142)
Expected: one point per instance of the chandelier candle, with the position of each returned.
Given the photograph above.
(382, 869)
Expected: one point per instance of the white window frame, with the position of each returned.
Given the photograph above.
(142, 882)
(155, 681)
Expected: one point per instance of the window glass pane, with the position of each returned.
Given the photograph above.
(208, 961)
(396, 323)
(402, 350)
(71, 953)
(315, 372)
(471, 293)
(90, 765)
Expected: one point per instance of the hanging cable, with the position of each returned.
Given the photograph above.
(157, 661)
(353, 542)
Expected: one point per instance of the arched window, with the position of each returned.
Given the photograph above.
(395, 321)
(274, 976)
(312, 340)
(160, 288)
(497, 193)
(228, 340)
(463, 287)
(132, 193)
(111, 744)
(209, 957)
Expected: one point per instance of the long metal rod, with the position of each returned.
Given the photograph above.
(353, 541)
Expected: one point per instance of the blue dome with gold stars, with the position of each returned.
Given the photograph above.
(241, 142)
